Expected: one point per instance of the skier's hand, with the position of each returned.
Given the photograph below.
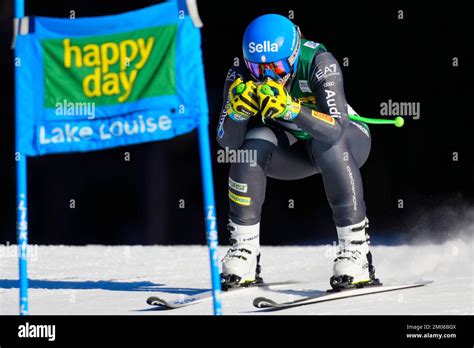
(276, 102)
(243, 101)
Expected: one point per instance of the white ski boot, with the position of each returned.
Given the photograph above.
(353, 264)
(240, 266)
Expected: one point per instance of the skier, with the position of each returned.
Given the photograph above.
(288, 105)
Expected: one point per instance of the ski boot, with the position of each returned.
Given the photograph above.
(241, 265)
(353, 266)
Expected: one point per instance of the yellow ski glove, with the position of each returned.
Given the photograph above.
(276, 102)
(243, 100)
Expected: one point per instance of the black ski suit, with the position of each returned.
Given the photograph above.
(336, 148)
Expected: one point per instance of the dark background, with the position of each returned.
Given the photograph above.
(137, 202)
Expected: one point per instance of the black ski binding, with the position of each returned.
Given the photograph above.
(344, 282)
(229, 281)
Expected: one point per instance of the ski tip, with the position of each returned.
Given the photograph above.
(155, 301)
(424, 282)
(263, 302)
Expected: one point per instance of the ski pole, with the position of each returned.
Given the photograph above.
(21, 188)
(397, 121)
(210, 214)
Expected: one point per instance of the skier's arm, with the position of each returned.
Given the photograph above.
(230, 133)
(327, 86)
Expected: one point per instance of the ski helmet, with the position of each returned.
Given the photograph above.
(271, 47)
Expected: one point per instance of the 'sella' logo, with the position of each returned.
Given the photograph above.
(266, 46)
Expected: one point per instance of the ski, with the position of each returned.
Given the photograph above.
(183, 300)
(331, 295)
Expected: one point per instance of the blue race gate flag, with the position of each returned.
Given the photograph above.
(94, 83)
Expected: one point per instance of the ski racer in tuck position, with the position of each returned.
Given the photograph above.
(288, 105)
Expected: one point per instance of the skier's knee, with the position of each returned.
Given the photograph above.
(327, 156)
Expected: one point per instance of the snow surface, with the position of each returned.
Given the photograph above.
(117, 280)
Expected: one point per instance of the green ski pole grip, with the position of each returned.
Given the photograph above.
(398, 121)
